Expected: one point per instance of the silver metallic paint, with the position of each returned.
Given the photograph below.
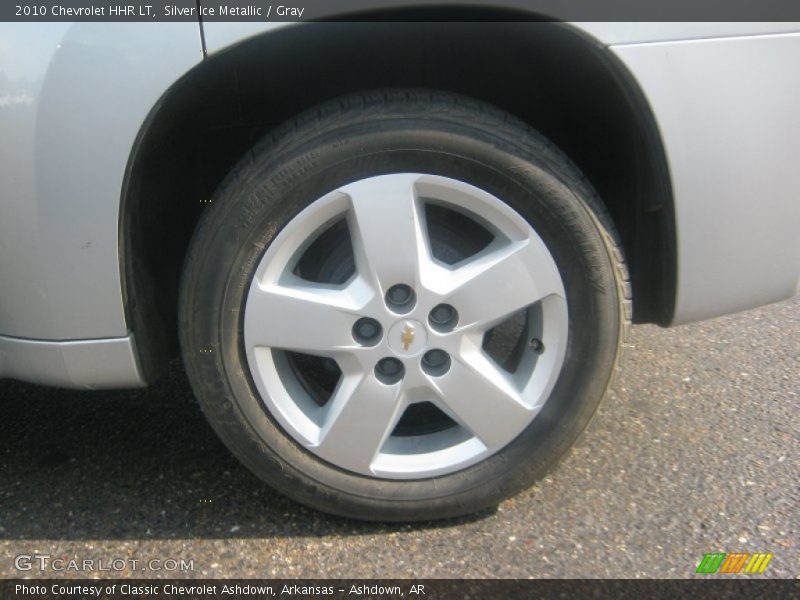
(728, 114)
(73, 98)
(87, 364)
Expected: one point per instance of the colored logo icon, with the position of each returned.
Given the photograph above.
(736, 562)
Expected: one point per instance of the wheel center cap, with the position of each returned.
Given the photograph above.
(408, 337)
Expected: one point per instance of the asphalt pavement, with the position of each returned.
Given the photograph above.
(695, 451)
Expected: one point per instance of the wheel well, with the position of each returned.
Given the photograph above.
(547, 74)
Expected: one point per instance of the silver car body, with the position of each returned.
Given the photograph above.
(74, 97)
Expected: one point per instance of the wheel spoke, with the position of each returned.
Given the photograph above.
(362, 415)
(387, 232)
(303, 318)
(367, 328)
(501, 281)
(481, 398)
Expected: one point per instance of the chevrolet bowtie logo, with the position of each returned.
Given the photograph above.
(408, 336)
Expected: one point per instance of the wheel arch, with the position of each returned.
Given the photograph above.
(553, 76)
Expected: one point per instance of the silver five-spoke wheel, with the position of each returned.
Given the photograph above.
(368, 330)
(403, 305)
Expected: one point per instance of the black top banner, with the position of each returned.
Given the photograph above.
(400, 10)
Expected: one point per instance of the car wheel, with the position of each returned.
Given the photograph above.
(403, 305)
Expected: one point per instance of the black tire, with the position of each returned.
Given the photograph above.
(379, 133)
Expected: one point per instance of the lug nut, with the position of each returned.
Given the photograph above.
(400, 298)
(367, 332)
(443, 317)
(389, 370)
(436, 362)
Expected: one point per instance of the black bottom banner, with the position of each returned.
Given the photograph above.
(424, 589)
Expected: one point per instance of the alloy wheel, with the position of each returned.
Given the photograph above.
(405, 326)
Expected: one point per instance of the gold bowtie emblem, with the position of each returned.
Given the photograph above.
(408, 336)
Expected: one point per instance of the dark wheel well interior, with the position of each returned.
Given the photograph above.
(547, 74)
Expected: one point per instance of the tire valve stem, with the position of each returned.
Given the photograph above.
(537, 345)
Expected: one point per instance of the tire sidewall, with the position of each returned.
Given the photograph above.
(267, 192)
